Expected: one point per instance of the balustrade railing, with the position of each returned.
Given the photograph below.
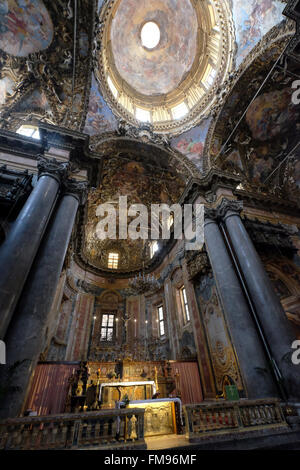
(108, 428)
(242, 415)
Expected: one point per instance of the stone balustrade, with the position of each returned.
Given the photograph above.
(111, 429)
(240, 416)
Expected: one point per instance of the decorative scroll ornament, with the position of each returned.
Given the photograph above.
(210, 213)
(144, 132)
(54, 168)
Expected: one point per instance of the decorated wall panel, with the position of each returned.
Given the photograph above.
(221, 350)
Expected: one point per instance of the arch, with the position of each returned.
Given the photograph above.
(110, 296)
(261, 57)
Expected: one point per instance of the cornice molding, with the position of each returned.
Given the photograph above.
(213, 180)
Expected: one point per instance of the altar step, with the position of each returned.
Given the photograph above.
(266, 439)
(166, 442)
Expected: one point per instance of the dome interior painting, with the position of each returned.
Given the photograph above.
(146, 177)
(166, 84)
(158, 70)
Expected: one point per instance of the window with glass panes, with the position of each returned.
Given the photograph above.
(113, 260)
(107, 327)
(161, 322)
(185, 307)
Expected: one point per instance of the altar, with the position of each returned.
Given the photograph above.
(162, 416)
(112, 392)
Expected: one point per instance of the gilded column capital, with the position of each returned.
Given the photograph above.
(54, 168)
(77, 189)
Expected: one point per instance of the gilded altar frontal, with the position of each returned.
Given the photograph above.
(149, 227)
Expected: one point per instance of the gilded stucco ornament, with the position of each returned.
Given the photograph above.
(50, 84)
(229, 205)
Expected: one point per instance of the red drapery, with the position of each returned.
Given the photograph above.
(49, 388)
(189, 381)
(50, 385)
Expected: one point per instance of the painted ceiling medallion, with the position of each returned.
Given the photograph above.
(162, 61)
(25, 27)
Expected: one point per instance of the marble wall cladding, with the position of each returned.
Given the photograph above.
(221, 350)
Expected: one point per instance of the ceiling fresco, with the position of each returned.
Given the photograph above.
(7, 88)
(99, 118)
(191, 143)
(36, 101)
(253, 19)
(39, 80)
(25, 27)
(160, 70)
(265, 149)
(36, 64)
(143, 181)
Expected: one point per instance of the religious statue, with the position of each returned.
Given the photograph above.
(119, 369)
(91, 396)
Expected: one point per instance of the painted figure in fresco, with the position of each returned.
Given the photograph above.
(25, 26)
(3, 16)
(254, 19)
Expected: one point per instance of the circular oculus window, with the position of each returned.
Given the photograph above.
(150, 35)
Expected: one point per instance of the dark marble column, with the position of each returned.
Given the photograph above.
(26, 334)
(273, 319)
(19, 249)
(254, 366)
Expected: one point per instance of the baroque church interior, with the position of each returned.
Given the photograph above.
(120, 343)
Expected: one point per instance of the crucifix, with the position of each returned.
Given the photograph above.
(125, 318)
